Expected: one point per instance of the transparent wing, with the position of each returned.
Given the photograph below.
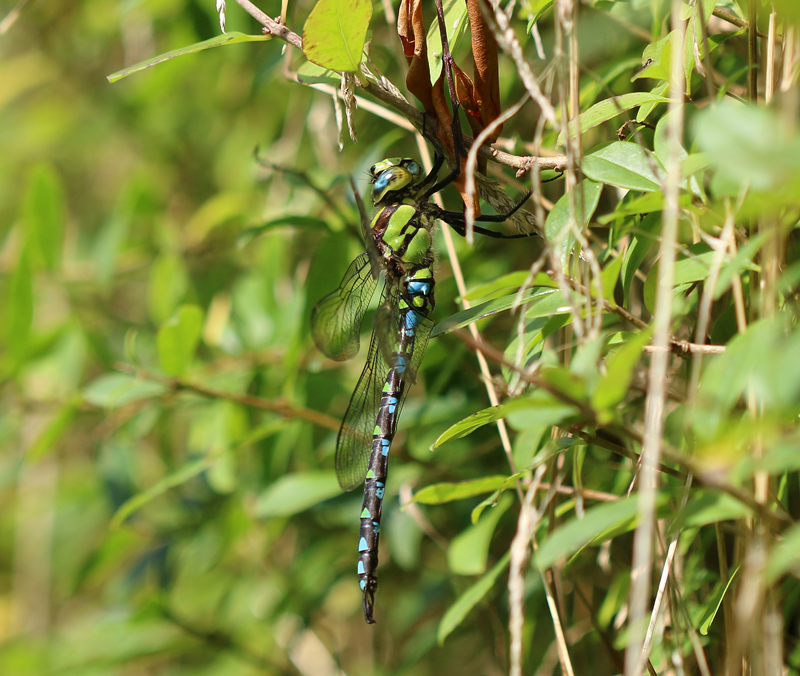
(354, 443)
(336, 319)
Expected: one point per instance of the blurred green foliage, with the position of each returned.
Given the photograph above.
(169, 504)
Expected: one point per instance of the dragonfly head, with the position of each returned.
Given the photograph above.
(393, 175)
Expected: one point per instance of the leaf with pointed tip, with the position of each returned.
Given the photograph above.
(218, 41)
(334, 34)
(437, 494)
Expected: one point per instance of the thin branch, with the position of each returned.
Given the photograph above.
(416, 117)
(282, 408)
(677, 346)
(595, 440)
(684, 348)
(725, 15)
(495, 355)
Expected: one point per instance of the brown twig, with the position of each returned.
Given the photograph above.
(282, 408)
(491, 352)
(677, 346)
(595, 440)
(725, 15)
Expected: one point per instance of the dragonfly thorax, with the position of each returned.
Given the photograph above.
(403, 236)
(395, 175)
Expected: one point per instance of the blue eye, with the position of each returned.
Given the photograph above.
(382, 182)
(413, 168)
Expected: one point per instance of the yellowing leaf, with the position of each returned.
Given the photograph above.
(334, 34)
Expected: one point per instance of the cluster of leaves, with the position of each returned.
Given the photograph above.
(168, 484)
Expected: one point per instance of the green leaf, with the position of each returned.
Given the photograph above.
(658, 57)
(645, 204)
(469, 424)
(53, 433)
(537, 409)
(644, 111)
(456, 23)
(512, 280)
(297, 221)
(667, 151)
(168, 283)
(641, 242)
(469, 551)
(750, 145)
(189, 471)
(456, 613)
(334, 33)
(624, 164)
(311, 73)
(536, 9)
(297, 492)
(466, 317)
(18, 304)
(785, 556)
(595, 527)
(117, 389)
(613, 387)
(763, 359)
(178, 339)
(743, 261)
(43, 214)
(606, 110)
(609, 278)
(219, 40)
(574, 210)
(688, 270)
(706, 507)
(134, 504)
(714, 603)
(436, 494)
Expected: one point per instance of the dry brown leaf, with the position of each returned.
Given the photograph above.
(486, 79)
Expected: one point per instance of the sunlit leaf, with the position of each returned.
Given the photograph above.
(625, 165)
(334, 33)
(598, 524)
(117, 389)
(713, 604)
(572, 212)
(437, 494)
(227, 39)
(614, 385)
(606, 110)
(469, 425)
(553, 297)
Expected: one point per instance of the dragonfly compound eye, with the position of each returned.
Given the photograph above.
(413, 168)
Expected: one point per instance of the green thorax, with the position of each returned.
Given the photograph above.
(402, 231)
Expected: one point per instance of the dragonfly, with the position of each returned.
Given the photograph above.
(399, 252)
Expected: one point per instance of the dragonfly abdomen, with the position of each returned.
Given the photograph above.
(375, 483)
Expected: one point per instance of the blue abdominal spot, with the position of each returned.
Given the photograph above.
(423, 288)
(412, 319)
